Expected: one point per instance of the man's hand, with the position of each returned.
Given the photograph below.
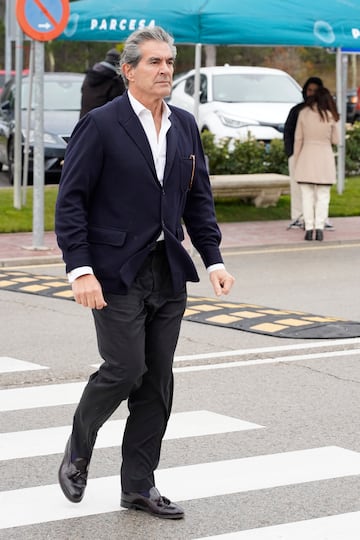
(87, 292)
(221, 281)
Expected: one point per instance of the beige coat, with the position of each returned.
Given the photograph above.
(314, 160)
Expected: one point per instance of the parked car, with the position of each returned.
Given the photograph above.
(353, 105)
(12, 74)
(238, 101)
(62, 96)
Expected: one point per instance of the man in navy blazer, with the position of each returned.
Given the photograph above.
(134, 170)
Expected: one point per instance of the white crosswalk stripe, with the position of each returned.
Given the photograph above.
(46, 503)
(340, 527)
(51, 395)
(11, 365)
(42, 442)
(43, 504)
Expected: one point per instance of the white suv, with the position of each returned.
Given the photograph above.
(238, 101)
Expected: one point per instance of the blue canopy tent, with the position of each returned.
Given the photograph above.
(309, 23)
(333, 24)
(321, 23)
(114, 20)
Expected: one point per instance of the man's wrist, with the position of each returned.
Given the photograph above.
(217, 266)
(78, 272)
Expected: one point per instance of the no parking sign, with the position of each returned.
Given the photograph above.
(42, 20)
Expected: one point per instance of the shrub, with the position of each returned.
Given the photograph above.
(247, 157)
(217, 154)
(244, 157)
(276, 159)
(352, 150)
(252, 156)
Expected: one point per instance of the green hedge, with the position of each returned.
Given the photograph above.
(352, 154)
(252, 156)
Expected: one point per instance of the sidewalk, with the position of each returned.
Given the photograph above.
(17, 249)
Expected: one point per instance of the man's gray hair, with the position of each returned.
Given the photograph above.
(131, 53)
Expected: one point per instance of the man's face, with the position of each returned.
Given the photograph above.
(152, 77)
(312, 89)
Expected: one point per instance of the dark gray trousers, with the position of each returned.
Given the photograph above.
(137, 335)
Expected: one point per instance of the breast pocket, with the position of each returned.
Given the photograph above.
(187, 165)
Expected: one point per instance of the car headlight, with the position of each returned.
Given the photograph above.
(48, 138)
(234, 122)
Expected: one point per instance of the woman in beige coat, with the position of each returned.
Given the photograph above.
(314, 161)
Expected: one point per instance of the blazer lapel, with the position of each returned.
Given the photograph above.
(171, 146)
(132, 125)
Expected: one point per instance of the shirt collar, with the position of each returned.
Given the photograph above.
(139, 107)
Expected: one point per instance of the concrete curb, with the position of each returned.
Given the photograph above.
(30, 261)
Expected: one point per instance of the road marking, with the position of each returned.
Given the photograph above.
(46, 503)
(10, 365)
(260, 350)
(339, 527)
(52, 395)
(265, 249)
(43, 442)
(262, 361)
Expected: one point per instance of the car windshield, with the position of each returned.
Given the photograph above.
(58, 95)
(260, 88)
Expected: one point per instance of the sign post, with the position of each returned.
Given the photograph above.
(17, 128)
(41, 20)
(38, 167)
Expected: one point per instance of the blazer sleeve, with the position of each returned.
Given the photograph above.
(81, 169)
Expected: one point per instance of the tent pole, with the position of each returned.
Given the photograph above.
(197, 80)
(341, 83)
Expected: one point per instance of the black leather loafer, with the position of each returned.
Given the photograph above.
(308, 235)
(73, 476)
(155, 504)
(319, 235)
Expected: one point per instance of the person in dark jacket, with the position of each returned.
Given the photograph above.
(134, 170)
(309, 89)
(102, 83)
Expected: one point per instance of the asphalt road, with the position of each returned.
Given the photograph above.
(263, 442)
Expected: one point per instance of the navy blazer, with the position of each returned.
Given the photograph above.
(111, 207)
